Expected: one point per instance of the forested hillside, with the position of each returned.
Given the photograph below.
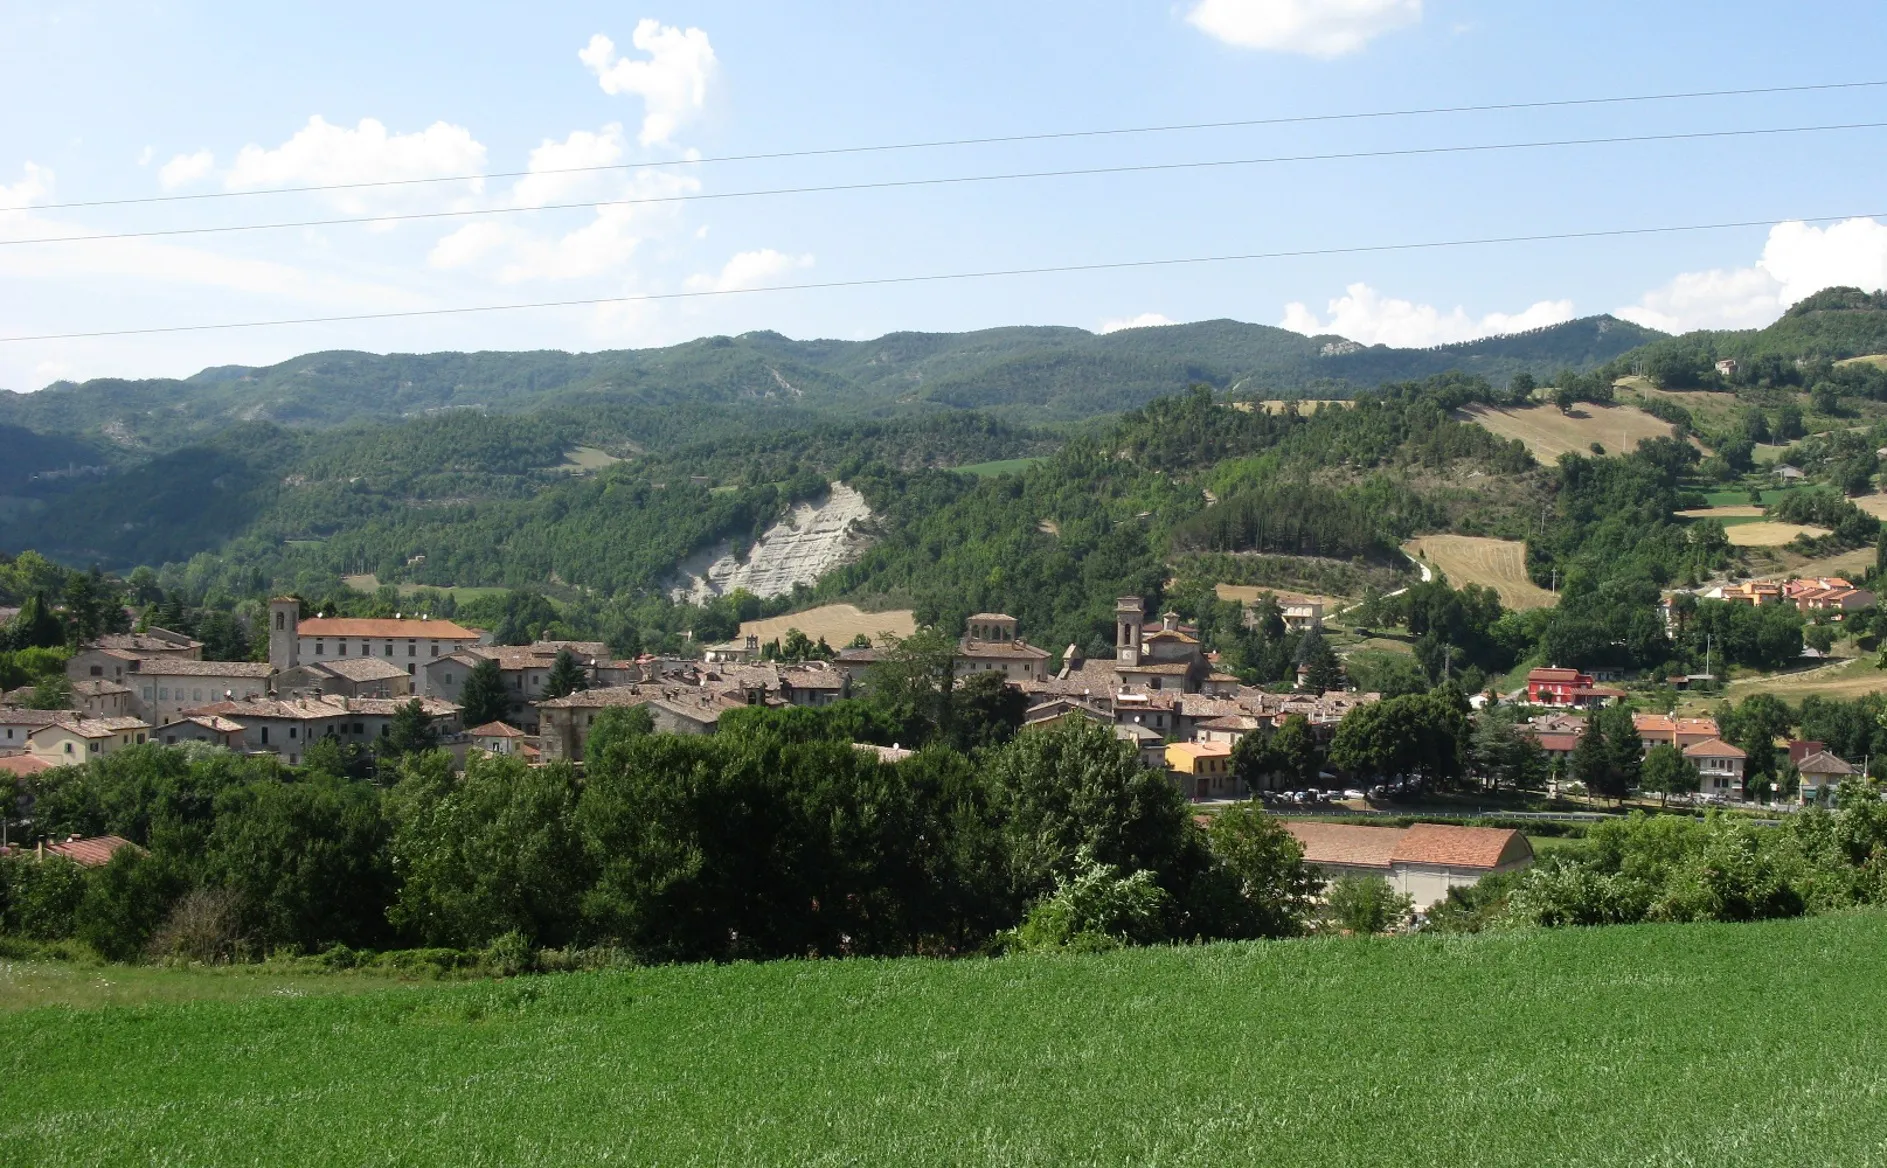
(1030, 374)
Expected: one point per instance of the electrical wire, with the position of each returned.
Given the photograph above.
(949, 180)
(998, 273)
(1008, 139)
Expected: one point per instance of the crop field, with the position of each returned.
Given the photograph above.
(837, 623)
(1764, 534)
(368, 582)
(1571, 1047)
(1879, 359)
(586, 459)
(1875, 505)
(1499, 564)
(1734, 511)
(1249, 594)
(1842, 680)
(1001, 466)
(1549, 433)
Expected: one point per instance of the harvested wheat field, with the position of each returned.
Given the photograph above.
(1549, 433)
(1249, 594)
(1769, 534)
(1500, 564)
(1875, 505)
(1879, 359)
(837, 623)
(1750, 511)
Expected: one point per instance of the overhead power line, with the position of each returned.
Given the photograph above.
(942, 277)
(1007, 139)
(948, 180)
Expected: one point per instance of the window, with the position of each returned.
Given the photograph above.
(163, 693)
(68, 748)
(265, 736)
(317, 648)
(389, 648)
(291, 731)
(435, 648)
(98, 671)
(341, 647)
(92, 746)
(412, 649)
(196, 695)
(409, 671)
(279, 617)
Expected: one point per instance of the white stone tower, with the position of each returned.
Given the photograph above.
(284, 639)
(1130, 616)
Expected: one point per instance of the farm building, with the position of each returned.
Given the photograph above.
(1422, 861)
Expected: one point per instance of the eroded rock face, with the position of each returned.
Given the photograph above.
(813, 539)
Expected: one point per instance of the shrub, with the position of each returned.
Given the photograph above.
(1365, 904)
(205, 927)
(1097, 908)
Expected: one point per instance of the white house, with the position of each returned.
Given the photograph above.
(410, 643)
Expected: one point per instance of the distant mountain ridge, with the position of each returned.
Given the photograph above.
(1026, 373)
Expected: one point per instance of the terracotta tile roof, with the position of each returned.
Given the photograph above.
(991, 616)
(1704, 726)
(1198, 750)
(1653, 724)
(386, 707)
(1551, 676)
(15, 716)
(1461, 847)
(339, 626)
(21, 765)
(497, 730)
(605, 698)
(1163, 669)
(1018, 649)
(1229, 722)
(1557, 742)
(101, 727)
(1713, 748)
(99, 687)
(299, 710)
(360, 668)
(138, 643)
(211, 722)
(885, 753)
(186, 667)
(94, 852)
(1824, 763)
(1341, 843)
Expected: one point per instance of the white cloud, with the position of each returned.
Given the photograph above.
(321, 154)
(581, 149)
(749, 269)
(672, 83)
(600, 247)
(469, 244)
(1365, 315)
(186, 168)
(1316, 28)
(1144, 320)
(1797, 261)
(35, 185)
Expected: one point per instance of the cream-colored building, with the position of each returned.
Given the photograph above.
(410, 643)
(1422, 861)
(82, 739)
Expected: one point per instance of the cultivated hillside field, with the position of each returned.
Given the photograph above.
(837, 623)
(1499, 564)
(1581, 1047)
(1764, 534)
(1549, 433)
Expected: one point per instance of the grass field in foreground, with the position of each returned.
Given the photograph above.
(1653, 1045)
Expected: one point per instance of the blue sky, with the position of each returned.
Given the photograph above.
(182, 97)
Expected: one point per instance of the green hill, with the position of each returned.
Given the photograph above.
(1566, 1047)
(1026, 374)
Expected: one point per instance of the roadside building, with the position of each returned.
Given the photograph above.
(1822, 775)
(1665, 730)
(1202, 770)
(1721, 767)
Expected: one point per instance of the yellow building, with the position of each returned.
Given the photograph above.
(1202, 770)
(75, 741)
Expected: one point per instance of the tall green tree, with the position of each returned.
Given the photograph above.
(1667, 772)
(410, 732)
(1278, 892)
(566, 676)
(484, 698)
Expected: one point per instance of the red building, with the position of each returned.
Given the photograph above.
(1567, 687)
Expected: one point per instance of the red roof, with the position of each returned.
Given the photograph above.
(1552, 676)
(21, 765)
(497, 730)
(1340, 843)
(1462, 847)
(336, 626)
(94, 852)
(1714, 748)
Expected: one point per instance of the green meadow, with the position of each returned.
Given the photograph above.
(1645, 1045)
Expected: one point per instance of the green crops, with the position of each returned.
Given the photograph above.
(1655, 1045)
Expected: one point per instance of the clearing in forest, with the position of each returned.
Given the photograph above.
(1879, 359)
(1875, 505)
(837, 623)
(1549, 433)
(1769, 534)
(1500, 564)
